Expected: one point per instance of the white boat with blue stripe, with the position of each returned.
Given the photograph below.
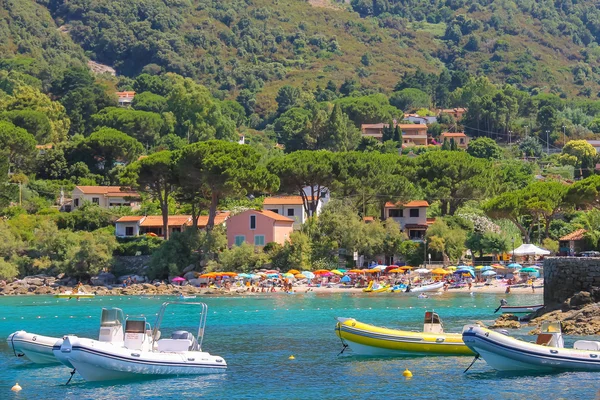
(506, 353)
(142, 352)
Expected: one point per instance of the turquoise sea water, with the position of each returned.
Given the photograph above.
(256, 335)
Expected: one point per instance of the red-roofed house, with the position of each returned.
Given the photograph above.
(125, 98)
(258, 227)
(572, 243)
(291, 207)
(457, 113)
(412, 134)
(461, 140)
(105, 197)
(411, 216)
(140, 225)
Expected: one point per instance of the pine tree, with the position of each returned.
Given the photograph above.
(446, 145)
(398, 135)
(388, 132)
(453, 145)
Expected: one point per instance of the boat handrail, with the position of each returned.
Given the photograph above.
(202, 323)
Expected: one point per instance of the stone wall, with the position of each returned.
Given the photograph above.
(565, 276)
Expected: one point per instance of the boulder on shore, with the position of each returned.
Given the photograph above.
(579, 315)
(506, 321)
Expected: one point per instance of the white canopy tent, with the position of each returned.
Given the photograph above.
(530, 250)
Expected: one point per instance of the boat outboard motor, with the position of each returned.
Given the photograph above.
(185, 335)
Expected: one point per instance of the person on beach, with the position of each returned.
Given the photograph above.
(507, 289)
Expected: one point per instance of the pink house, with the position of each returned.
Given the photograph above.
(258, 227)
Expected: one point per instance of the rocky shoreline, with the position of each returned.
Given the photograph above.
(579, 315)
(52, 286)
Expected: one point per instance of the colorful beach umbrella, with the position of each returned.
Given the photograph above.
(528, 270)
(514, 265)
(451, 268)
(345, 279)
(293, 271)
(422, 271)
(479, 267)
(357, 271)
(300, 276)
(396, 270)
(440, 271)
(337, 272)
(487, 268)
(308, 274)
(489, 272)
(321, 271)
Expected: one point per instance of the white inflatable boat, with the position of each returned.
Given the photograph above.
(143, 352)
(36, 348)
(431, 287)
(505, 353)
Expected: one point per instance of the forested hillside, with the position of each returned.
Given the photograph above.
(260, 45)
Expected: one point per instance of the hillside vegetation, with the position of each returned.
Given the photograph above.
(260, 45)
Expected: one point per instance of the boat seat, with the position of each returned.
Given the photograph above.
(544, 339)
(170, 345)
(587, 345)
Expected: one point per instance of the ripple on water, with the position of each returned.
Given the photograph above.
(256, 335)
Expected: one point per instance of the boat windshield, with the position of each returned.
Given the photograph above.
(112, 317)
(432, 318)
(551, 327)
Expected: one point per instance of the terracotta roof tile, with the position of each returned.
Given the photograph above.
(106, 190)
(413, 203)
(577, 235)
(219, 219)
(130, 218)
(284, 200)
(453, 134)
(174, 220)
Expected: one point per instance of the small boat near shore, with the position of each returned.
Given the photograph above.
(74, 294)
(370, 340)
(520, 309)
(432, 287)
(36, 348)
(505, 353)
(376, 288)
(142, 352)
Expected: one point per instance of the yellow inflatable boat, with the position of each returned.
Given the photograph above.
(370, 340)
(376, 288)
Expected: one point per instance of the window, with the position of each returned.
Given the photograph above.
(462, 141)
(290, 212)
(396, 213)
(129, 231)
(253, 222)
(259, 240)
(239, 239)
(76, 202)
(96, 200)
(414, 212)
(276, 211)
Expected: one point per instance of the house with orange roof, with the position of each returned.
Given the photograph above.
(411, 216)
(134, 225)
(258, 227)
(457, 112)
(125, 99)
(461, 140)
(572, 243)
(291, 207)
(105, 197)
(412, 134)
